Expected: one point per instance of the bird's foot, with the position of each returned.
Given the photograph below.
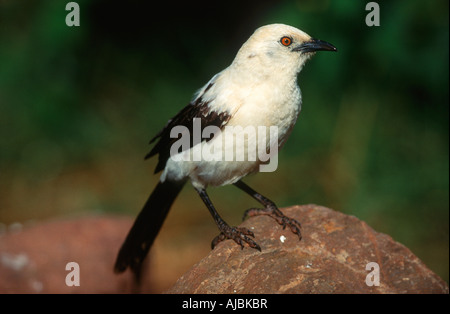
(275, 213)
(239, 235)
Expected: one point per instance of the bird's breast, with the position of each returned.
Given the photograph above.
(269, 106)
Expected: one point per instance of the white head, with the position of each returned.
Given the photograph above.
(278, 48)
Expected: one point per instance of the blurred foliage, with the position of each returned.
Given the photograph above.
(78, 105)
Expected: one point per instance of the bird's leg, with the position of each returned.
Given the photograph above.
(239, 235)
(270, 209)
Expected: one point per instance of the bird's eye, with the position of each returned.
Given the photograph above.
(286, 41)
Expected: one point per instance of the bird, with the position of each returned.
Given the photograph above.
(258, 90)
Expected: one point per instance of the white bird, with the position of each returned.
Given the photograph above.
(257, 91)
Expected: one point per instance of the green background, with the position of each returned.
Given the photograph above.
(79, 104)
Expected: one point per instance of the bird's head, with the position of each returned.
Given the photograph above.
(279, 48)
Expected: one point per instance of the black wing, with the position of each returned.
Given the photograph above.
(197, 109)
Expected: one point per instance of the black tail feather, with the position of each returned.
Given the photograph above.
(146, 227)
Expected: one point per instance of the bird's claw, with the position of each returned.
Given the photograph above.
(238, 235)
(276, 214)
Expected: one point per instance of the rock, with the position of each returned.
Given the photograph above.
(34, 259)
(331, 258)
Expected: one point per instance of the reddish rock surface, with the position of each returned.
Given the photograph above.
(34, 259)
(331, 258)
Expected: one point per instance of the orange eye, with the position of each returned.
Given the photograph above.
(286, 41)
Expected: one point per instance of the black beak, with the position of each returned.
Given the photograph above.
(315, 45)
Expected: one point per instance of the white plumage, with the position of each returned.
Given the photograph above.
(239, 107)
(258, 89)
